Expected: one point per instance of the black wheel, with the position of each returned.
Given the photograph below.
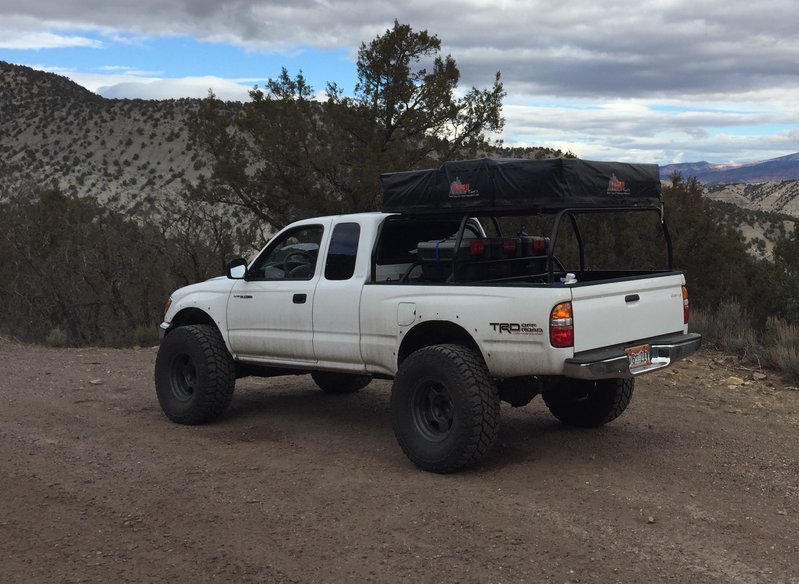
(444, 408)
(340, 382)
(588, 404)
(194, 375)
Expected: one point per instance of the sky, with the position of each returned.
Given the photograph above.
(659, 81)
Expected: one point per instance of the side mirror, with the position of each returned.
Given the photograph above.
(237, 268)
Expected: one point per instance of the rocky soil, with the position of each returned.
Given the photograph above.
(696, 482)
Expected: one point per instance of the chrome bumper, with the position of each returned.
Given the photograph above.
(612, 362)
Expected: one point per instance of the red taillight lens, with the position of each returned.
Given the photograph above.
(509, 245)
(539, 243)
(561, 325)
(686, 306)
(477, 247)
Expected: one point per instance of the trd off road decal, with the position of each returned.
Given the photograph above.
(516, 328)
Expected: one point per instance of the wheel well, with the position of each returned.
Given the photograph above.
(431, 333)
(191, 316)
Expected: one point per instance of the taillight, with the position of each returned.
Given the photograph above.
(539, 243)
(509, 246)
(686, 306)
(561, 325)
(477, 247)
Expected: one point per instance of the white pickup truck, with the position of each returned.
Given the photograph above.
(460, 320)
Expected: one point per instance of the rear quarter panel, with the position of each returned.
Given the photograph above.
(390, 311)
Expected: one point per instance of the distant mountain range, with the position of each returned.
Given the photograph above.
(770, 185)
(775, 169)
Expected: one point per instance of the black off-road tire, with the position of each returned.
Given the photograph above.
(444, 408)
(330, 382)
(194, 375)
(588, 404)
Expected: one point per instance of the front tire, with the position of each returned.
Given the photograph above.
(330, 382)
(588, 404)
(444, 408)
(194, 375)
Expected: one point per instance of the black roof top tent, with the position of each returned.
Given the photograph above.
(504, 186)
(510, 186)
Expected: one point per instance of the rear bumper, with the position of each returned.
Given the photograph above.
(612, 362)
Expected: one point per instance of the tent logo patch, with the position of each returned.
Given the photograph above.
(459, 190)
(617, 187)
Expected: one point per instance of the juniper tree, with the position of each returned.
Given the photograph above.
(286, 154)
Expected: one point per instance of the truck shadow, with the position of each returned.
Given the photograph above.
(296, 411)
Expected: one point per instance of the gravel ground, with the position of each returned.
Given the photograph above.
(696, 482)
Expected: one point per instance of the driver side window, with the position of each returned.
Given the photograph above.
(293, 257)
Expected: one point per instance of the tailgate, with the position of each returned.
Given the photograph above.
(611, 313)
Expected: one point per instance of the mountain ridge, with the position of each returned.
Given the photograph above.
(771, 170)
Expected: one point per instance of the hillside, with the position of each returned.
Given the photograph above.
(775, 196)
(119, 151)
(54, 131)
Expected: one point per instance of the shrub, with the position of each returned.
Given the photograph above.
(57, 338)
(145, 336)
(728, 327)
(783, 346)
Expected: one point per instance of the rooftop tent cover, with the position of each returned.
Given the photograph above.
(498, 185)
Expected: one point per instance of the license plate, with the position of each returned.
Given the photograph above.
(638, 357)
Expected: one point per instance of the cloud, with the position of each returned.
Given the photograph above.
(654, 130)
(225, 89)
(125, 85)
(580, 48)
(43, 40)
(667, 79)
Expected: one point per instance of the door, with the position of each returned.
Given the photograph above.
(270, 313)
(336, 318)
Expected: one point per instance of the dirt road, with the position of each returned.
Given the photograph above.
(696, 482)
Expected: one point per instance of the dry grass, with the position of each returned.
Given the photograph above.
(783, 353)
(729, 327)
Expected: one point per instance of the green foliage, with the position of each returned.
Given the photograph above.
(285, 155)
(76, 273)
(785, 277)
(712, 255)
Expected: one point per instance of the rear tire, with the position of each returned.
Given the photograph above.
(340, 382)
(444, 408)
(588, 404)
(194, 375)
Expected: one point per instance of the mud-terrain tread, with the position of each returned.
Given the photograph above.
(482, 404)
(216, 391)
(607, 400)
(340, 383)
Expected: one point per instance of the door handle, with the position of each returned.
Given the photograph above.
(300, 298)
(632, 298)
